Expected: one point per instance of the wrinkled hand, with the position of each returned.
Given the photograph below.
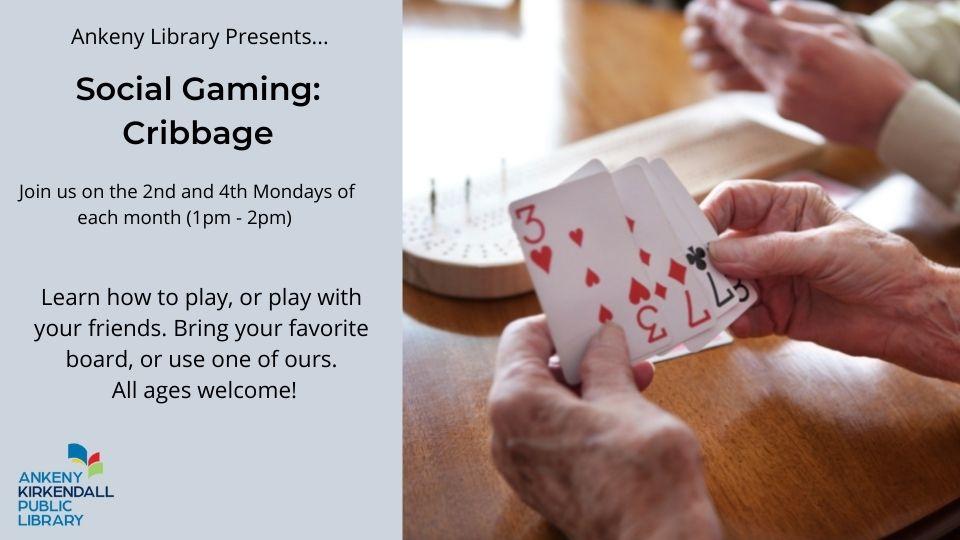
(810, 56)
(823, 76)
(604, 464)
(825, 276)
(707, 54)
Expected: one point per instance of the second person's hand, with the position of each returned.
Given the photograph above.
(708, 55)
(823, 76)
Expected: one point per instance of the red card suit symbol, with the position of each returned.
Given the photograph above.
(592, 278)
(638, 292)
(645, 257)
(541, 257)
(605, 314)
(630, 223)
(677, 271)
(577, 236)
(660, 291)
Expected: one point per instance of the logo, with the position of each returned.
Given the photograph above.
(77, 453)
(55, 497)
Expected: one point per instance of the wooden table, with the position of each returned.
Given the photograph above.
(799, 441)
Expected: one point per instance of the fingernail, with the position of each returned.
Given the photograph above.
(724, 250)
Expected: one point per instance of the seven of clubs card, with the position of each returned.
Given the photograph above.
(627, 247)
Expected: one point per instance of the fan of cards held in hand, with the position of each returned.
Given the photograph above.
(628, 246)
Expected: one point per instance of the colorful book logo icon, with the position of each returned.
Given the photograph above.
(78, 453)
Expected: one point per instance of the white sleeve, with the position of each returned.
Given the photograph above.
(921, 137)
(924, 37)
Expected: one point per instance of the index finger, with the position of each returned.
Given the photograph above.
(739, 204)
(763, 207)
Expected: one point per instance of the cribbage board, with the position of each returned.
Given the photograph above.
(466, 248)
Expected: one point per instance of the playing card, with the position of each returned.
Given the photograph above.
(732, 298)
(677, 351)
(692, 260)
(592, 167)
(654, 234)
(708, 324)
(583, 264)
(675, 293)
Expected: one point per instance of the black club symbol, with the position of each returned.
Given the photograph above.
(697, 257)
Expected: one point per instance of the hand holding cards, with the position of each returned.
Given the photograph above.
(628, 247)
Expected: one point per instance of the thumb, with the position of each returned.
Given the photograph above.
(605, 369)
(775, 254)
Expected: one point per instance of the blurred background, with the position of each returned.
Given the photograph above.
(491, 79)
